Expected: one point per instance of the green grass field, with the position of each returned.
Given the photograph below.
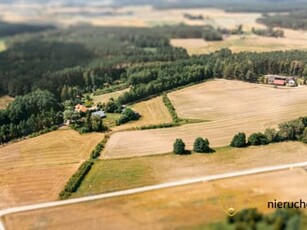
(120, 174)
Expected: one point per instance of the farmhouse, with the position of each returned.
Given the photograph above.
(100, 114)
(80, 108)
(280, 80)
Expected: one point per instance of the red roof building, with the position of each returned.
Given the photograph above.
(281, 82)
(80, 108)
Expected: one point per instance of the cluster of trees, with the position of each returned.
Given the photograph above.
(28, 114)
(152, 79)
(294, 20)
(128, 115)
(236, 31)
(84, 122)
(200, 146)
(184, 31)
(269, 32)
(295, 130)
(193, 17)
(281, 219)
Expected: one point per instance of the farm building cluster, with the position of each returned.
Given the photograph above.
(94, 110)
(278, 80)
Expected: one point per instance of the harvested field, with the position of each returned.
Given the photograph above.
(35, 170)
(104, 98)
(231, 107)
(251, 43)
(137, 16)
(5, 100)
(119, 174)
(200, 204)
(153, 112)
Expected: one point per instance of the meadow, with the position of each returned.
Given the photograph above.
(120, 174)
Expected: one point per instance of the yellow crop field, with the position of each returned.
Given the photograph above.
(231, 107)
(36, 169)
(4, 101)
(169, 208)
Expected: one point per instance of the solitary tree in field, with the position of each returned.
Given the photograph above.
(179, 147)
(201, 145)
(239, 140)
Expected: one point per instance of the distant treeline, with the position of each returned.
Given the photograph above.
(269, 32)
(9, 29)
(151, 79)
(231, 6)
(294, 20)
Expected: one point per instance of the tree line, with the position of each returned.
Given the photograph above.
(151, 79)
(294, 20)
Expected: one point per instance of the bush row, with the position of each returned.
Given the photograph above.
(96, 152)
(295, 130)
(75, 181)
(170, 108)
(159, 126)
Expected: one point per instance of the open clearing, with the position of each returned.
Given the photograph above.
(170, 208)
(251, 43)
(231, 107)
(35, 170)
(4, 101)
(120, 174)
(153, 112)
(104, 98)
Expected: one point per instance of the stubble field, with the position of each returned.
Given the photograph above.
(35, 170)
(231, 107)
(169, 208)
(245, 43)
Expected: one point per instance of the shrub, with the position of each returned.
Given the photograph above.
(239, 140)
(291, 130)
(128, 115)
(258, 139)
(304, 136)
(167, 102)
(179, 147)
(201, 145)
(271, 135)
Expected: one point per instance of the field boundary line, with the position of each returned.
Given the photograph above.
(53, 204)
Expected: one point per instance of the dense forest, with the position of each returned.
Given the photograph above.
(87, 57)
(34, 112)
(294, 20)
